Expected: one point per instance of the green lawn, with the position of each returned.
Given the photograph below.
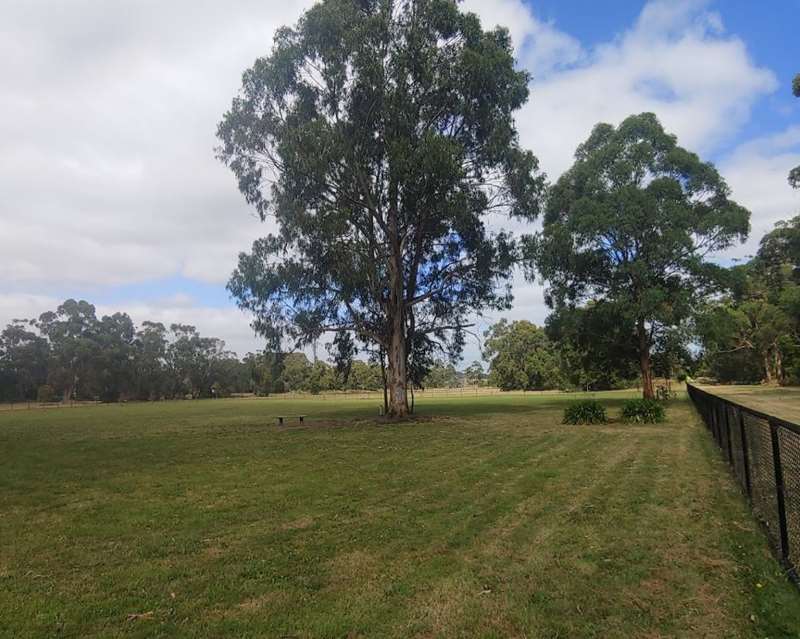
(484, 518)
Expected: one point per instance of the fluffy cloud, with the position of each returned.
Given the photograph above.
(674, 61)
(756, 172)
(540, 46)
(106, 144)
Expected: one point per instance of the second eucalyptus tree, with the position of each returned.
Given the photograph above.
(630, 228)
(380, 135)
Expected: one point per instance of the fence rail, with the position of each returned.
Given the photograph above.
(763, 452)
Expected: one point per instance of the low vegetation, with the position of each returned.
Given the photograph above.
(482, 517)
(643, 411)
(588, 411)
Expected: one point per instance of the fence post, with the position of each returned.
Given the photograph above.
(725, 407)
(745, 454)
(710, 415)
(714, 422)
(776, 460)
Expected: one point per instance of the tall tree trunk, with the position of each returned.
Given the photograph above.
(396, 351)
(397, 378)
(645, 365)
(69, 390)
(779, 374)
(767, 368)
(383, 379)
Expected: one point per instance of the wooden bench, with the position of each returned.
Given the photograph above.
(281, 418)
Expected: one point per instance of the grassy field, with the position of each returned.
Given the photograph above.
(484, 518)
(779, 401)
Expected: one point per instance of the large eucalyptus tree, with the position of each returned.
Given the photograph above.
(380, 135)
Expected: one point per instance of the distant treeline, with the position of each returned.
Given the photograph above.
(71, 354)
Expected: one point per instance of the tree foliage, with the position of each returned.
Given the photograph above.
(441, 375)
(521, 357)
(753, 333)
(71, 353)
(631, 225)
(23, 361)
(379, 134)
(474, 374)
(595, 346)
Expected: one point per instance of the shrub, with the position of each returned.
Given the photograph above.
(643, 411)
(585, 412)
(45, 394)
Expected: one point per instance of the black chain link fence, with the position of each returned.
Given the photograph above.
(764, 454)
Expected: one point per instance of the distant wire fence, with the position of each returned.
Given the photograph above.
(29, 405)
(419, 393)
(764, 454)
(372, 395)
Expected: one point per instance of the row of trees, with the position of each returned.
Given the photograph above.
(381, 137)
(752, 332)
(576, 349)
(70, 353)
(283, 372)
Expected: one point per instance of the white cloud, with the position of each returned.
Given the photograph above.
(106, 141)
(24, 306)
(757, 173)
(540, 47)
(674, 62)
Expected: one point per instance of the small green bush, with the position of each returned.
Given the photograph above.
(643, 411)
(587, 411)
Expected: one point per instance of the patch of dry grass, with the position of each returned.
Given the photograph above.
(783, 402)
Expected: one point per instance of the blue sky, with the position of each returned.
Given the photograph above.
(768, 29)
(112, 193)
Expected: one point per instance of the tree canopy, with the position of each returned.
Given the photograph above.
(380, 134)
(630, 226)
(752, 333)
(595, 346)
(521, 357)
